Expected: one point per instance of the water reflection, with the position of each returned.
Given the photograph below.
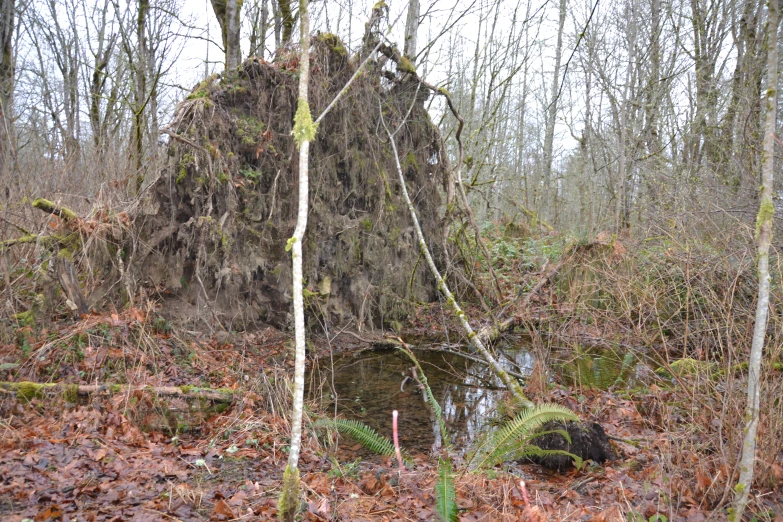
(369, 386)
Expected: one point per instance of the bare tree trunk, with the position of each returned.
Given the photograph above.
(259, 19)
(411, 29)
(286, 20)
(227, 13)
(7, 73)
(140, 92)
(304, 132)
(552, 109)
(764, 233)
(98, 79)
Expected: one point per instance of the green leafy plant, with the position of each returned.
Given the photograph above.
(348, 470)
(514, 440)
(445, 494)
(361, 433)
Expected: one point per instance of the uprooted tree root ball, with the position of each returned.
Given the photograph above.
(214, 225)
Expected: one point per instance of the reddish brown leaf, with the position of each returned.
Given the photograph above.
(222, 511)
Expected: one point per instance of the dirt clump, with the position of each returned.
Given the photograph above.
(588, 442)
(214, 224)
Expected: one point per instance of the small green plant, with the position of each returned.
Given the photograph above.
(250, 130)
(514, 440)
(445, 494)
(251, 174)
(161, 326)
(361, 433)
(349, 470)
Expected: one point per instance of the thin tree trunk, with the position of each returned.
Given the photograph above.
(7, 73)
(286, 20)
(764, 232)
(233, 51)
(411, 29)
(552, 109)
(140, 92)
(304, 132)
(227, 13)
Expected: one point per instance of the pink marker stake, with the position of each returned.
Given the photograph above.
(396, 440)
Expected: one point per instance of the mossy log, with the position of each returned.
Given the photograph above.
(70, 392)
(58, 210)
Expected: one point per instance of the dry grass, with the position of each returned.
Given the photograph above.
(684, 301)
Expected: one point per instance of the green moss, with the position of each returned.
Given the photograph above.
(410, 162)
(237, 89)
(304, 128)
(250, 130)
(406, 66)
(71, 393)
(334, 43)
(49, 206)
(325, 286)
(203, 90)
(184, 162)
(766, 212)
(27, 391)
(366, 224)
(220, 407)
(288, 504)
(25, 318)
(688, 366)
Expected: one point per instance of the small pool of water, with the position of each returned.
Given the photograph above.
(368, 386)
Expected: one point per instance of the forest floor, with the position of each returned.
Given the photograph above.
(134, 456)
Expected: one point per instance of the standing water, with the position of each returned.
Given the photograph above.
(367, 386)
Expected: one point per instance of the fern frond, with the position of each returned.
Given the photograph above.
(517, 433)
(363, 434)
(445, 494)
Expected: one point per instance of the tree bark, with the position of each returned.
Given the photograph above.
(304, 132)
(286, 20)
(7, 74)
(140, 92)
(552, 111)
(764, 238)
(411, 29)
(228, 14)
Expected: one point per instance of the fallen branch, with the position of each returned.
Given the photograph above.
(477, 360)
(491, 333)
(502, 374)
(32, 390)
(50, 207)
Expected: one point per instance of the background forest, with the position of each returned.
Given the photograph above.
(594, 116)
